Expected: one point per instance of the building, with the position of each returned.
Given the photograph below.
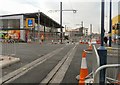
(24, 26)
(77, 32)
(115, 26)
(85, 31)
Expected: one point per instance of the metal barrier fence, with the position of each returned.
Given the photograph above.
(107, 78)
(112, 51)
(112, 70)
(96, 62)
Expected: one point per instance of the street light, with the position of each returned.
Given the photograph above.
(74, 11)
(61, 30)
(110, 24)
(61, 33)
(38, 25)
(101, 50)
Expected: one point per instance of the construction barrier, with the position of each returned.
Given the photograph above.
(93, 77)
(84, 41)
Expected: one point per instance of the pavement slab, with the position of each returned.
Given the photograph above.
(7, 61)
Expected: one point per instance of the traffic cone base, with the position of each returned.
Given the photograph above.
(83, 73)
(82, 82)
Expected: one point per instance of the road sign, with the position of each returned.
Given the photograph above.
(30, 23)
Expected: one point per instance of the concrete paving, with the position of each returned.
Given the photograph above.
(6, 61)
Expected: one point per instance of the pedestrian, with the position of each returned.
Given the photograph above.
(42, 38)
(105, 40)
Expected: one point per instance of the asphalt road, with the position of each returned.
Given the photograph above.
(38, 73)
(30, 52)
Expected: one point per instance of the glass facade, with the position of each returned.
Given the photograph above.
(9, 24)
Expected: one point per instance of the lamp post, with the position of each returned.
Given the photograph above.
(82, 28)
(38, 25)
(90, 31)
(61, 30)
(110, 24)
(61, 10)
(101, 50)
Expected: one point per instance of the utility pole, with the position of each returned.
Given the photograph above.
(38, 25)
(82, 23)
(61, 33)
(61, 10)
(90, 28)
(102, 52)
(82, 27)
(110, 24)
(90, 31)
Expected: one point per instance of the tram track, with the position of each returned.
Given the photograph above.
(58, 72)
(21, 71)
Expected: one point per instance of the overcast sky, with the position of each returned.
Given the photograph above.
(88, 11)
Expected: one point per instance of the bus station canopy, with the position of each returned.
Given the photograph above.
(44, 19)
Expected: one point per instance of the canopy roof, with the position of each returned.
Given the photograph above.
(44, 19)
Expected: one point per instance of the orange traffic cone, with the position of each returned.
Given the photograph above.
(83, 70)
(82, 82)
(83, 41)
(90, 47)
(86, 42)
(80, 41)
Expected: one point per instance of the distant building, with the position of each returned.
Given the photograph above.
(85, 31)
(116, 26)
(20, 25)
(77, 32)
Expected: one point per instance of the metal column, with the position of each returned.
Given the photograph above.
(61, 33)
(102, 52)
(110, 24)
